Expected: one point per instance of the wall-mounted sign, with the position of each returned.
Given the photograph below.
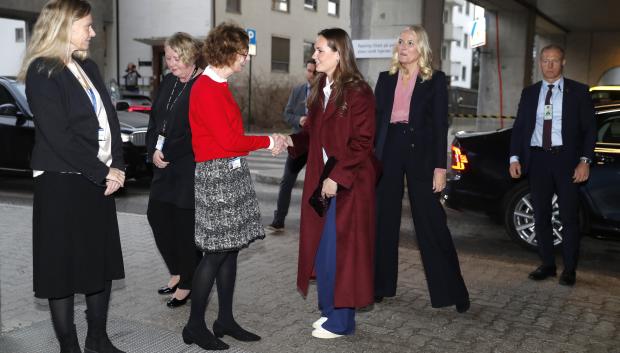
(478, 33)
(373, 48)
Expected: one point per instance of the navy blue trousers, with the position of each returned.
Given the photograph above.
(339, 320)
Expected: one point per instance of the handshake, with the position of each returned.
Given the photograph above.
(281, 142)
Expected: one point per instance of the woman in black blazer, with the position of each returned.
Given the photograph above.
(77, 164)
(411, 141)
(171, 203)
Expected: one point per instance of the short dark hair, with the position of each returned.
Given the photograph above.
(223, 43)
(310, 61)
(554, 47)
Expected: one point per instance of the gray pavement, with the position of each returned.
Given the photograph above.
(509, 313)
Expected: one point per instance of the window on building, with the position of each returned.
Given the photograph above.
(465, 41)
(280, 54)
(446, 16)
(233, 6)
(458, 43)
(19, 35)
(459, 8)
(333, 7)
(467, 5)
(310, 5)
(444, 52)
(463, 73)
(308, 51)
(279, 5)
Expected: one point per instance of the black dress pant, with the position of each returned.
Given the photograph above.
(292, 167)
(549, 173)
(173, 229)
(441, 265)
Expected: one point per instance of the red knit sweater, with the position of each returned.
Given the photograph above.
(215, 120)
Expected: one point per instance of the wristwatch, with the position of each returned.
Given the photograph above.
(585, 160)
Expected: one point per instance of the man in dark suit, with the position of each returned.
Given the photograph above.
(295, 115)
(553, 142)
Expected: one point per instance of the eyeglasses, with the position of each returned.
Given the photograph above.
(406, 43)
(244, 54)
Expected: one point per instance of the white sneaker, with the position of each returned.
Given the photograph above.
(319, 322)
(323, 333)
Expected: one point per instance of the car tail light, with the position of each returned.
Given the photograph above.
(138, 108)
(459, 159)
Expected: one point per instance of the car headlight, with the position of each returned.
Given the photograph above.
(125, 137)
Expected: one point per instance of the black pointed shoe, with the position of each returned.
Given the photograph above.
(167, 290)
(463, 307)
(235, 331)
(204, 340)
(542, 272)
(174, 302)
(568, 278)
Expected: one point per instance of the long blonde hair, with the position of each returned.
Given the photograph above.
(424, 48)
(51, 35)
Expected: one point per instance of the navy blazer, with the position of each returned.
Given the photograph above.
(578, 122)
(66, 126)
(296, 107)
(428, 120)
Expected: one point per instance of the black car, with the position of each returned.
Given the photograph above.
(479, 179)
(17, 134)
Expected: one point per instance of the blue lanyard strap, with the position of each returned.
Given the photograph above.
(93, 98)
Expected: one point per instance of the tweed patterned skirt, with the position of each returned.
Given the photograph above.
(227, 213)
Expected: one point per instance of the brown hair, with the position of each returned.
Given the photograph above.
(51, 35)
(346, 74)
(186, 47)
(223, 43)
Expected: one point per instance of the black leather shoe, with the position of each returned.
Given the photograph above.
(463, 307)
(542, 272)
(167, 290)
(174, 302)
(378, 299)
(568, 278)
(276, 226)
(204, 340)
(235, 331)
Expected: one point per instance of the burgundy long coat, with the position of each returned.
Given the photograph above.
(347, 133)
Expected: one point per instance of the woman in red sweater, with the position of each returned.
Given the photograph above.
(227, 213)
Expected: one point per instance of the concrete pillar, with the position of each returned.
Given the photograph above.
(515, 45)
(433, 23)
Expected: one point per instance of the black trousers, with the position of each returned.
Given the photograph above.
(173, 229)
(292, 167)
(551, 173)
(441, 264)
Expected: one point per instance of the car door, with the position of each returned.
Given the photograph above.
(603, 187)
(16, 133)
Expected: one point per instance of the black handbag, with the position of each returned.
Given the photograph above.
(318, 202)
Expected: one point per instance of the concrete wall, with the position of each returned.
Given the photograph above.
(157, 19)
(12, 59)
(590, 54)
(102, 13)
(299, 25)
(382, 20)
(513, 54)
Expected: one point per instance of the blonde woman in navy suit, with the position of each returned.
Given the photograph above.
(78, 165)
(411, 142)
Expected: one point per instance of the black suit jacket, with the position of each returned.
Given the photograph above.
(66, 126)
(578, 122)
(428, 120)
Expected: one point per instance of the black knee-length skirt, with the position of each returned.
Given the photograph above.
(76, 244)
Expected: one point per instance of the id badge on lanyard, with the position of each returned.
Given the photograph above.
(234, 163)
(160, 142)
(548, 112)
(101, 134)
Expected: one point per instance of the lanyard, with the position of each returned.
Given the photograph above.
(89, 90)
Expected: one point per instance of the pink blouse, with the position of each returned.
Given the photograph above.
(402, 98)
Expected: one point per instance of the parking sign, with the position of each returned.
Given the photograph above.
(252, 35)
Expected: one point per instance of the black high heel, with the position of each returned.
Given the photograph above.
(174, 302)
(205, 341)
(167, 290)
(236, 332)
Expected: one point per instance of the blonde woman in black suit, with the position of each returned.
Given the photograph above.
(77, 164)
(411, 141)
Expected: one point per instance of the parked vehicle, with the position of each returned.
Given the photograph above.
(479, 179)
(17, 134)
(605, 94)
(129, 101)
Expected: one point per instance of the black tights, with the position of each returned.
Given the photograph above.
(219, 267)
(62, 309)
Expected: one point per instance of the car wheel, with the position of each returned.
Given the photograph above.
(519, 218)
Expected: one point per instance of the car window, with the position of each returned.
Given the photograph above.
(609, 131)
(7, 102)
